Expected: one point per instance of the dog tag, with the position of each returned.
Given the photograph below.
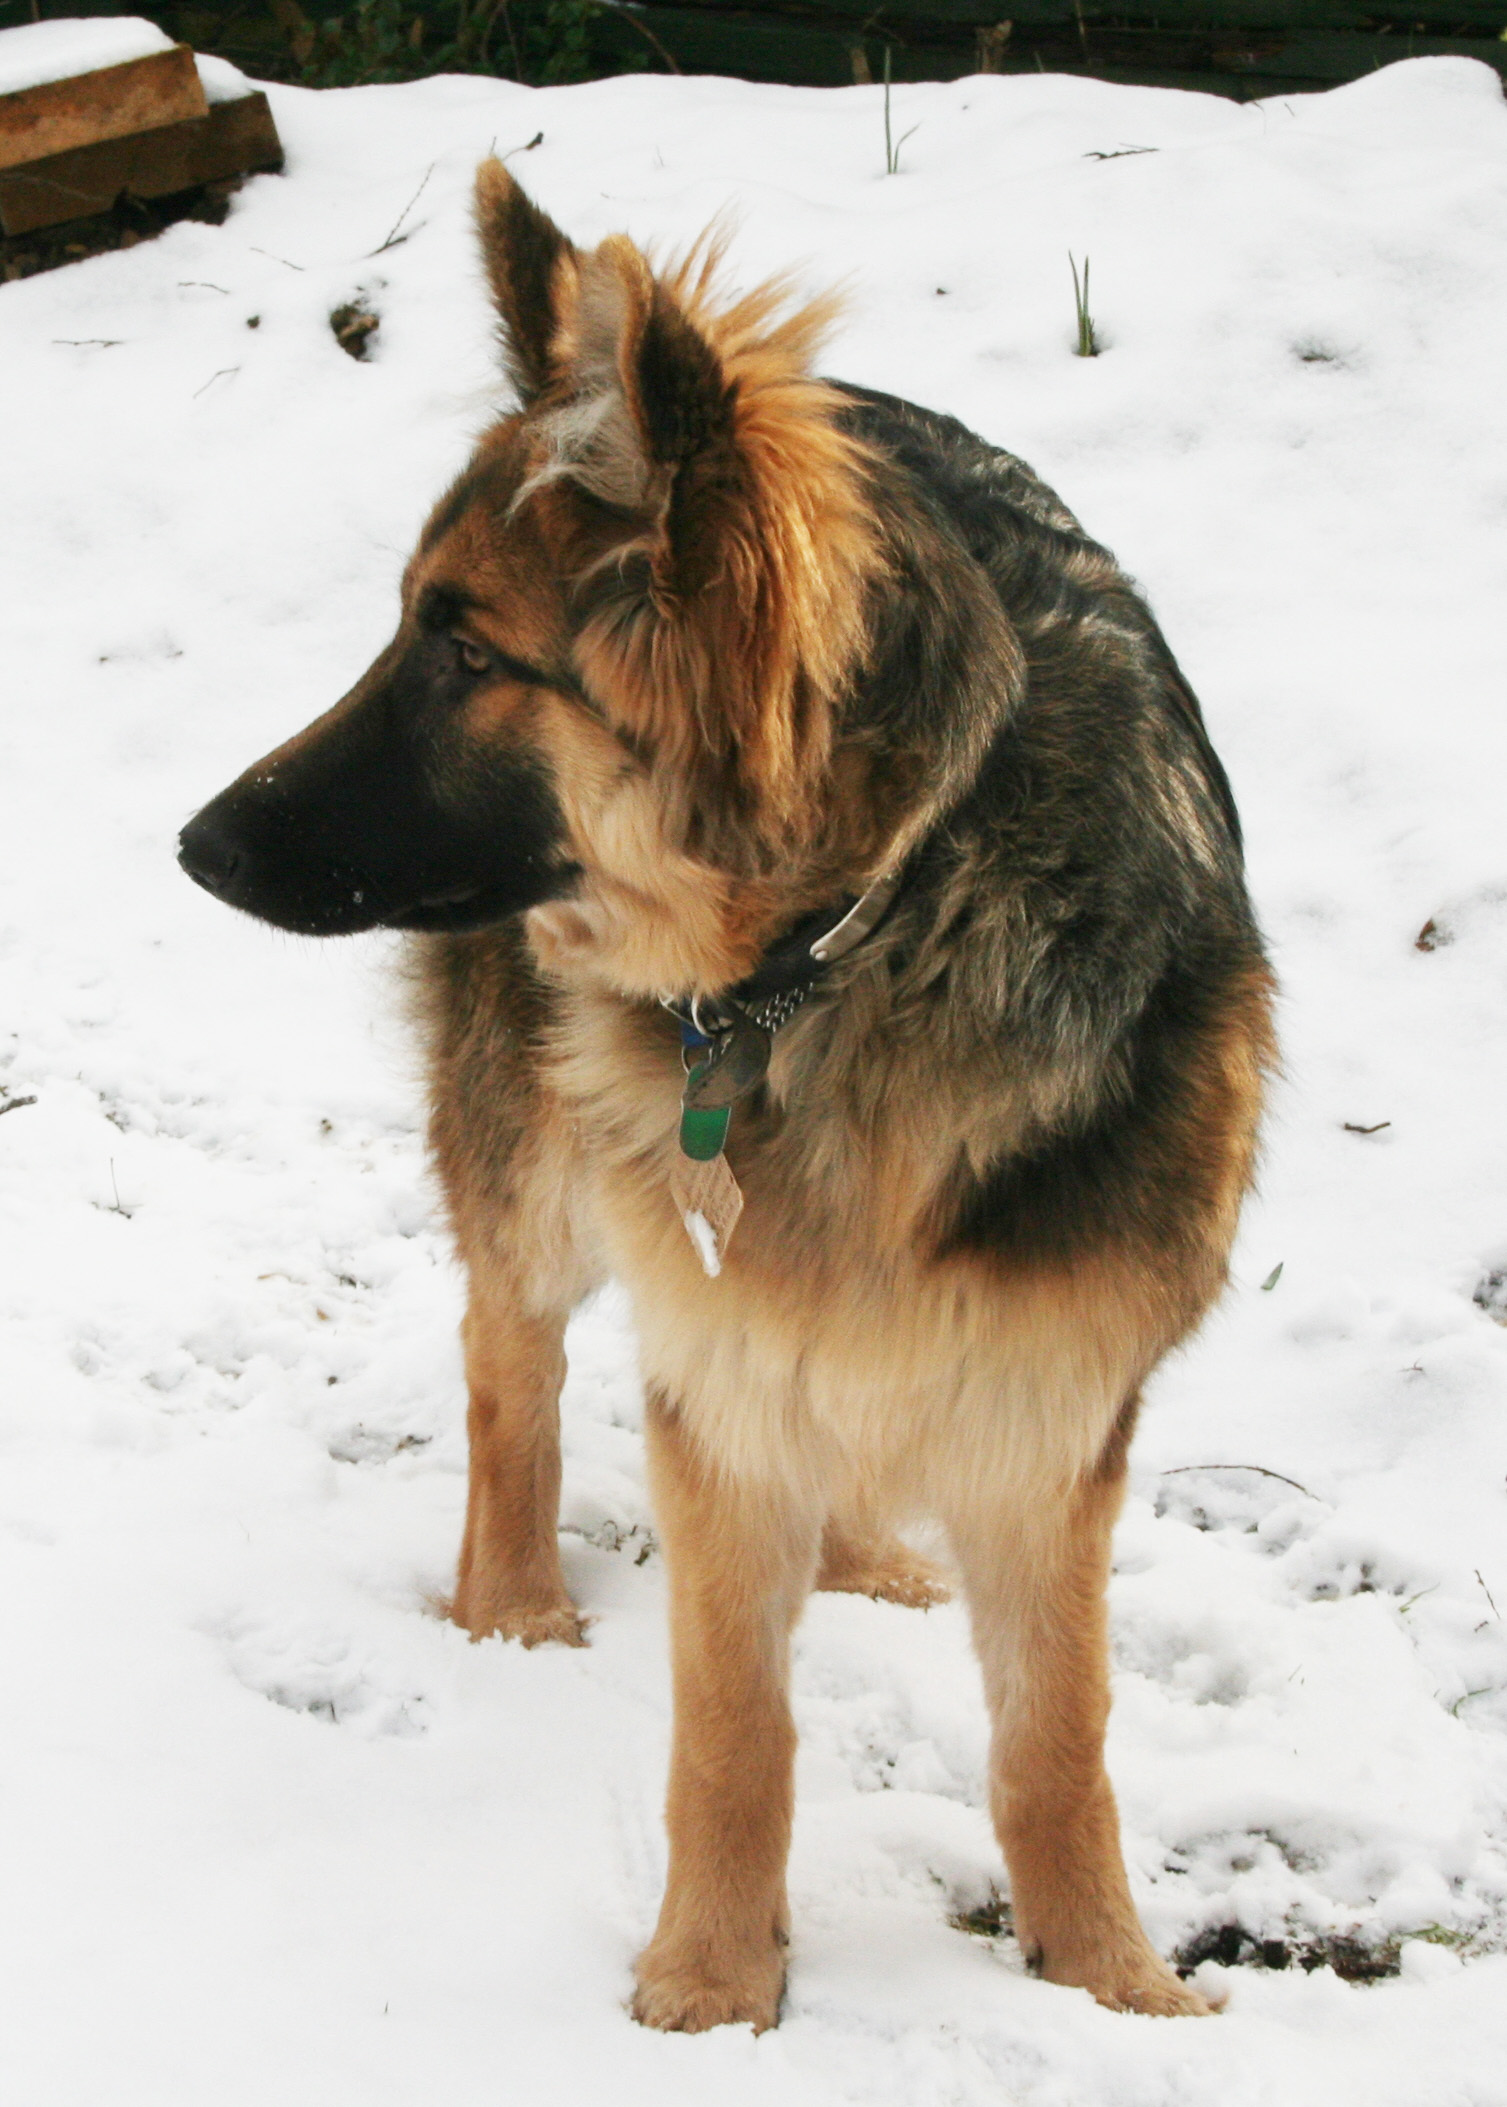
(738, 1060)
(702, 1133)
(710, 1201)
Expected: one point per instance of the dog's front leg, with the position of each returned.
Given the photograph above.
(741, 1562)
(509, 1580)
(1036, 1574)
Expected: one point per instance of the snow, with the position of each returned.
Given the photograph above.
(274, 1828)
(704, 1237)
(40, 52)
(221, 81)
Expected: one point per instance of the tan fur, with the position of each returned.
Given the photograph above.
(1035, 1577)
(742, 1557)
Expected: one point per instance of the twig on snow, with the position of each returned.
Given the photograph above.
(395, 239)
(1260, 1469)
(1465, 1697)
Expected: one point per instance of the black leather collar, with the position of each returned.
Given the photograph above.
(793, 967)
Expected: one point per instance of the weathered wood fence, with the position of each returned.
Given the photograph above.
(1241, 48)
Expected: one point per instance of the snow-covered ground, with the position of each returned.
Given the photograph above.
(274, 1832)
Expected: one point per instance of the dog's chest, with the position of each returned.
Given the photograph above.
(818, 1193)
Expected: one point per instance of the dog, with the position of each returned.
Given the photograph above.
(828, 917)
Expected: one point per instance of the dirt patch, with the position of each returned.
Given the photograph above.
(129, 221)
(1353, 1959)
(355, 325)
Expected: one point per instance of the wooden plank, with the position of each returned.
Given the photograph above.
(231, 139)
(113, 103)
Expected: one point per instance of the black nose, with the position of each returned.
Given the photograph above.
(209, 859)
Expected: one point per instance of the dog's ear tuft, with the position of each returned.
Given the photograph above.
(528, 261)
(645, 393)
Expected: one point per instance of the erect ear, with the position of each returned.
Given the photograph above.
(672, 379)
(530, 267)
(734, 560)
(649, 411)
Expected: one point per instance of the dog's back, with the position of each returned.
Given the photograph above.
(1084, 889)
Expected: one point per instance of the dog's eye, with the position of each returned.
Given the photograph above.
(472, 657)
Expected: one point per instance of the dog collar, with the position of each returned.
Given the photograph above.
(726, 1041)
(727, 1038)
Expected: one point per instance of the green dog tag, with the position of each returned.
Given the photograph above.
(703, 1130)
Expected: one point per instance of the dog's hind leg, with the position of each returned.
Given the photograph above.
(741, 1561)
(1035, 1572)
(862, 1556)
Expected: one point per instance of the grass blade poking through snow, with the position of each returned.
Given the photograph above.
(1088, 345)
(892, 146)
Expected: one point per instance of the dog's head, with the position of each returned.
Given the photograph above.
(627, 633)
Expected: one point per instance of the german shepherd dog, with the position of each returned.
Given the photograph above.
(830, 921)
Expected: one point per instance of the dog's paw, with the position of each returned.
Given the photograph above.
(887, 1571)
(681, 1998)
(557, 1623)
(1132, 1982)
(1162, 1996)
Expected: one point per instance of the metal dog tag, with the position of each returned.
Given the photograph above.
(739, 1060)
